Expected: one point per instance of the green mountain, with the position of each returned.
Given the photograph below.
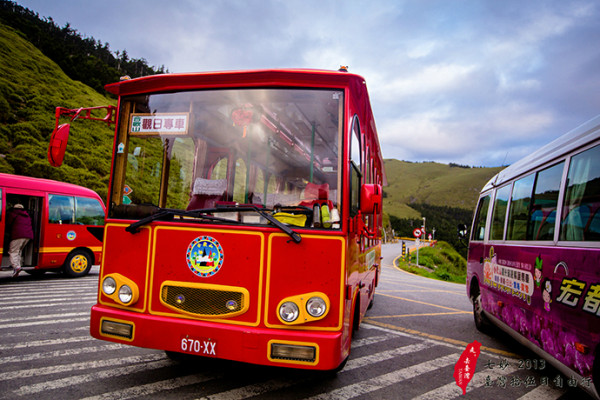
(436, 184)
(445, 195)
(31, 87)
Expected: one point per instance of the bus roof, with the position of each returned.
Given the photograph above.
(41, 184)
(249, 78)
(253, 78)
(570, 141)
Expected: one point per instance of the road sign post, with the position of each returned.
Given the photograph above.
(417, 234)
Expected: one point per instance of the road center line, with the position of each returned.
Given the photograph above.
(415, 315)
(422, 302)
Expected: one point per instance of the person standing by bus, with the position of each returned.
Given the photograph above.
(21, 232)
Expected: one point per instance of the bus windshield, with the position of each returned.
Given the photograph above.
(269, 147)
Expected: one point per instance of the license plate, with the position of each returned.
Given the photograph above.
(199, 346)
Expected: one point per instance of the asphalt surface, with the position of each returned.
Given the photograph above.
(407, 347)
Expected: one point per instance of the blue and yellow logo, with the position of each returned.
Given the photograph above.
(204, 256)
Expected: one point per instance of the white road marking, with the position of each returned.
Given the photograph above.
(87, 365)
(59, 353)
(379, 382)
(151, 388)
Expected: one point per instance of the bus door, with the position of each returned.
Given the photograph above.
(34, 206)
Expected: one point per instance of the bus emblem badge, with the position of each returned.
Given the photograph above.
(204, 256)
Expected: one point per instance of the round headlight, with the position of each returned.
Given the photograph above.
(288, 311)
(316, 306)
(125, 294)
(109, 285)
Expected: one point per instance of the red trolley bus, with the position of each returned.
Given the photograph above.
(244, 216)
(67, 222)
(534, 254)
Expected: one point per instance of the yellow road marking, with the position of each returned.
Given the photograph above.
(439, 338)
(422, 302)
(420, 291)
(416, 315)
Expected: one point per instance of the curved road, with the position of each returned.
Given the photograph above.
(441, 313)
(406, 348)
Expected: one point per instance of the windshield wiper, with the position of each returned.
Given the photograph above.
(201, 213)
(168, 214)
(286, 229)
(289, 231)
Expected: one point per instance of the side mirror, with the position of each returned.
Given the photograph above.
(370, 199)
(462, 231)
(58, 145)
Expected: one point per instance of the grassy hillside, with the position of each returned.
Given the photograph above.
(431, 183)
(439, 262)
(31, 87)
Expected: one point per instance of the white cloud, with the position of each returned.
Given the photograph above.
(466, 82)
(429, 80)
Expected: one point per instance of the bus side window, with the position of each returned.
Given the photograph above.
(499, 215)
(60, 209)
(582, 198)
(519, 208)
(88, 211)
(480, 219)
(542, 216)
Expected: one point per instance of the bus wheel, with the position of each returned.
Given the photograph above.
(481, 322)
(355, 318)
(596, 371)
(77, 264)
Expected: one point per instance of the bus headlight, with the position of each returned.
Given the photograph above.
(109, 285)
(303, 308)
(316, 306)
(289, 311)
(120, 289)
(125, 294)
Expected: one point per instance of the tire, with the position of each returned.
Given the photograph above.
(481, 322)
(77, 264)
(596, 372)
(371, 303)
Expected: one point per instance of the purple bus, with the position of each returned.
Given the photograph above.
(534, 254)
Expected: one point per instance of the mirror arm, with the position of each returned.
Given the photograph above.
(86, 113)
(364, 230)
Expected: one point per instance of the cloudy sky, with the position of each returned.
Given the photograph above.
(475, 82)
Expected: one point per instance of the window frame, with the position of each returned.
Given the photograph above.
(355, 170)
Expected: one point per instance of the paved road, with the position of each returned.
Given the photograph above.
(407, 348)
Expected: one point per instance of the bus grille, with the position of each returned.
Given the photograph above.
(204, 300)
